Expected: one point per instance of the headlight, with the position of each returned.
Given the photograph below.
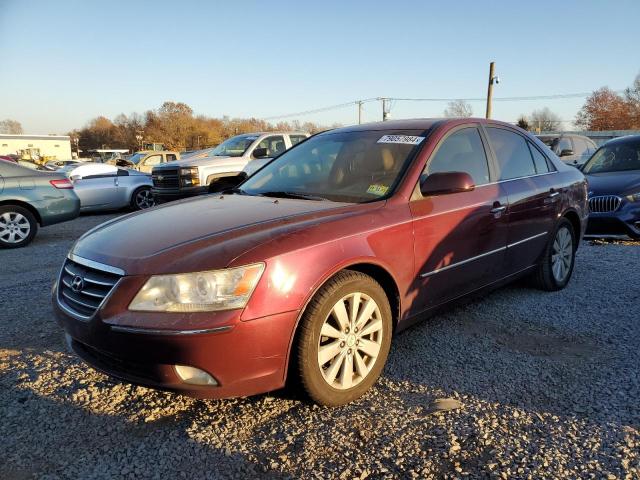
(189, 176)
(634, 197)
(198, 292)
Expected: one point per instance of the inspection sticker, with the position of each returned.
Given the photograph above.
(378, 190)
(404, 139)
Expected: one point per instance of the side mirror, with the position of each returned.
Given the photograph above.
(75, 178)
(566, 152)
(446, 182)
(260, 153)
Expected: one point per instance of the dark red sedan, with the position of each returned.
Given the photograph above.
(310, 266)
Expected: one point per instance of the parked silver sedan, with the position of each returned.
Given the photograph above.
(107, 187)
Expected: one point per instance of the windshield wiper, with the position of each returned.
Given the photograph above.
(282, 194)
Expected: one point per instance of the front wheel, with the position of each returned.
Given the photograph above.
(345, 335)
(142, 198)
(18, 226)
(556, 266)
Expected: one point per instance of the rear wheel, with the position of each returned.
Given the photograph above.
(556, 267)
(142, 198)
(345, 335)
(18, 226)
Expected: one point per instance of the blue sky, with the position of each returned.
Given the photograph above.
(65, 62)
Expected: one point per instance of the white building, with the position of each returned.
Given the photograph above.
(30, 146)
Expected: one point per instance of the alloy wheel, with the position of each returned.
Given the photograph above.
(14, 227)
(350, 341)
(144, 199)
(562, 254)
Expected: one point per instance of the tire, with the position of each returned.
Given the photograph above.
(142, 199)
(547, 277)
(18, 226)
(353, 370)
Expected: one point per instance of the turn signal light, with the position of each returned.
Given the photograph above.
(62, 184)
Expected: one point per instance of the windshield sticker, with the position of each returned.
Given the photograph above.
(403, 139)
(378, 190)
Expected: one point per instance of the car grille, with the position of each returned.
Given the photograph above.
(604, 203)
(165, 178)
(82, 289)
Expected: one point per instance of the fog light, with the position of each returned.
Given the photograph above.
(194, 376)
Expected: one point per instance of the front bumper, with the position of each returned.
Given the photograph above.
(162, 195)
(623, 222)
(245, 357)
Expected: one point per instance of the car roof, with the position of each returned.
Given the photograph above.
(623, 140)
(145, 152)
(418, 124)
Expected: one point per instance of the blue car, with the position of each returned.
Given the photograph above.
(613, 173)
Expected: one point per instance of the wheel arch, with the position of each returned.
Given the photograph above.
(574, 219)
(369, 267)
(25, 205)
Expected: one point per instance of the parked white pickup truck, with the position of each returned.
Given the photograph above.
(205, 171)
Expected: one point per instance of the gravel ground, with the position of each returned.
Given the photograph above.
(547, 385)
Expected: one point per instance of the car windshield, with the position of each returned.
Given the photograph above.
(618, 157)
(233, 147)
(135, 159)
(353, 167)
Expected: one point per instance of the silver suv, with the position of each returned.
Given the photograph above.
(206, 171)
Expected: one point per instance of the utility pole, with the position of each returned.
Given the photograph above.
(359, 102)
(492, 79)
(385, 111)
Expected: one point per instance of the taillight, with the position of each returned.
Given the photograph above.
(63, 183)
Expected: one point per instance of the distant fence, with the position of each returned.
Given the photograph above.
(597, 136)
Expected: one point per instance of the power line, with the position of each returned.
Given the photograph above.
(452, 99)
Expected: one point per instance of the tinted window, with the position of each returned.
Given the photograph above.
(539, 160)
(295, 139)
(274, 145)
(512, 153)
(461, 152)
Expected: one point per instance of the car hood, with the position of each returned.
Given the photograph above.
(613, 183)
(198, 234)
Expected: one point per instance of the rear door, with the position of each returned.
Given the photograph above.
(459, 238)
(525, 176)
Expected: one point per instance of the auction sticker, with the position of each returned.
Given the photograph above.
(378, 190)
(403, 139)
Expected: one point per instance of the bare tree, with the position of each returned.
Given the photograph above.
(523, 123)
(459, 108)
(544, 120)
(10, 126)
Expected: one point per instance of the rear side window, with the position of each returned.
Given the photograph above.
(461, 151)
(539, 160)
(512, 153)
(295, 139)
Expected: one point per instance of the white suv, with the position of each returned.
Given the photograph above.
(201, 172)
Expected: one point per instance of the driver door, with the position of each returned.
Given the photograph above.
(97, 191)
(459, 238)
(150, 162)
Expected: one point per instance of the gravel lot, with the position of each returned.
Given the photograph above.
(548, 385)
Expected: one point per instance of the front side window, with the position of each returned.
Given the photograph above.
(461, 151)
(170, 157)
(512, 154)
(274, 145)
(615, 158)
(135, 159)
(563, 144)
(153, 160)
(233, 147)
(351, 167)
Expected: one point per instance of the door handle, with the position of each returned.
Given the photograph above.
(498, 210)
